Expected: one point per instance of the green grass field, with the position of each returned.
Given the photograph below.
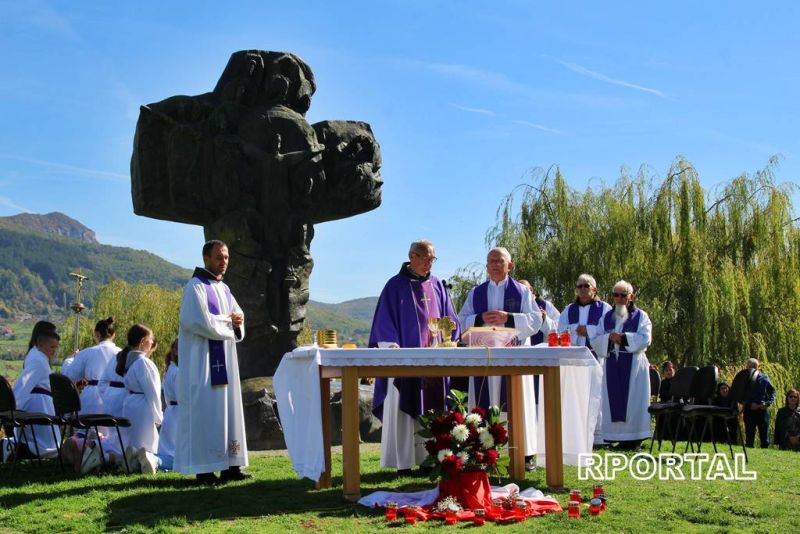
(44, 500)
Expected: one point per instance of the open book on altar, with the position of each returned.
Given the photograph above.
(489, 336)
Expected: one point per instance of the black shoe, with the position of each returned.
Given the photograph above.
(233, 474)
(404, 472)
(207, 479)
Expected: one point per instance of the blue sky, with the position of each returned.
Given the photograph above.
(464, 98)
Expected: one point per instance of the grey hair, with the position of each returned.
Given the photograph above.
(624, 285)
(503, 252)
(752, 363)
(589, 279)
(421, 246)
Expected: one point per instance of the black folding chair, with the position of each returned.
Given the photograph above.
(67, 401)
(668, 413)
(12, 419)
(704, 384)
(655, 383)
(739, 390)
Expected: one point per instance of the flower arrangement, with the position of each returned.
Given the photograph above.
(458, 440)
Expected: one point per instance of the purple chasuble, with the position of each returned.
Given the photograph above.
(216, 348)
(618, 367)
(512, 303)
(401, 316)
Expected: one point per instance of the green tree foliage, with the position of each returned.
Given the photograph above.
(128, 304)
(717, 271)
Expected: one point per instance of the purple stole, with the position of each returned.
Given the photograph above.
(218, 370)
(595, 312)
(618, 369)
(512, 303)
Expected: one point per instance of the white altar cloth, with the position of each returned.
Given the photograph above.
(296, 387)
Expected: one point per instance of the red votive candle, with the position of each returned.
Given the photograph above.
(594, 506)
(598, 490)
(520, 514)
(603, 501)
(575, 495)
(552, 339)
(391, 511)
(574, 510)
(565, 339)
(411, 515)
(480, 517)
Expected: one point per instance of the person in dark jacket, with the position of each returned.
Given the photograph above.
(787, 423)
(756, 407)
(722, 398)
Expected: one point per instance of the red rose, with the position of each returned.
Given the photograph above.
(452, 464)
(440, 426)
(491, 456)
(478, 457)
(431, 447)
(499, 433)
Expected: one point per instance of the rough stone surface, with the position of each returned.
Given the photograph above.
(243, 162)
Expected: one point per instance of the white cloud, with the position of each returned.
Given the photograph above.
(539, 127)
(486, 78)
(583, 71)
(71, 169)
(6, 202)
(473, 110)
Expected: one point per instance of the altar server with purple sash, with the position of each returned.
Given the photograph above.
(211, 433)
(502, 301)
(32, 394)
(620, 342)
(91, 363)
(407, 302)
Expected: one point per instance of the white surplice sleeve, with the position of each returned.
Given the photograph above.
(196, 319)
(528, 321)
(643, 336)
(467, 314)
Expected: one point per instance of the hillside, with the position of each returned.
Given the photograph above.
(35, 264)
(351, 319)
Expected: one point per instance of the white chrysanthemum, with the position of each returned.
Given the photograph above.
(464, 455)
(473, 419)
(460, 433)
(444, 453)
(486, 439)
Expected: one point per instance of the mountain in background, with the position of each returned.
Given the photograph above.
(37, 253)
(351, 319)
(54, 223)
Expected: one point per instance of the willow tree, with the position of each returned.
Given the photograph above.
(128, 304)
(716, 270)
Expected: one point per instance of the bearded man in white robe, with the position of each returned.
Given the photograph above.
(211, 432)
(623, 336)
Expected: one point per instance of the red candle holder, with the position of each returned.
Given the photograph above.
(575, 495)
(598, 490)
(603, 501)
(574, 510)
(565, 340)
(594, 507)
(411, 515)
(480, 517)
(552, 339)
(391, 511)
(521, 511)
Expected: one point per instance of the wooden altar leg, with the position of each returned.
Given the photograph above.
(325, 406)
(351, 468)
(552, 428)
(516, 428)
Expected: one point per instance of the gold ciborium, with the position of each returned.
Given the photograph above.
(447, 325)
(326, 339)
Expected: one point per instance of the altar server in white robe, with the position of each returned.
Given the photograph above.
(166, 438)
(32, 394)
(91, 363)
(142, 406)
(211, 433)
(620, 342)
(502, 301)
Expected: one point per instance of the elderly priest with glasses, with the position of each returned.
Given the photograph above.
(408, 301)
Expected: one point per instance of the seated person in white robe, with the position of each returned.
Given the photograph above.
(502, 301)
(91, 363)
(142, 406)
(620, 341)
(166, 437)
(32, 394)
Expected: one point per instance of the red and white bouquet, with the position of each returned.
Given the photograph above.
(462, 440)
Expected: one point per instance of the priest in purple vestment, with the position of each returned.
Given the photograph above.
(407, 302)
